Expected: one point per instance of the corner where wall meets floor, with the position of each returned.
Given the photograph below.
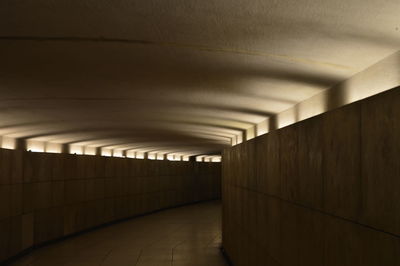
(46, 196)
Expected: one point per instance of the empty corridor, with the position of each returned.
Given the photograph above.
(189, 235)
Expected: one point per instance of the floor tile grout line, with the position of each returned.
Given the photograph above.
(105, 257)
(138, 258)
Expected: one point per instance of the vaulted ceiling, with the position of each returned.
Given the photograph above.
(180, 76)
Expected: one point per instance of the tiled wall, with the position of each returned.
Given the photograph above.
(322, 192)
(45, 196)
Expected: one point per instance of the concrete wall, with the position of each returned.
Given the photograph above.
(46, 196)
(324, 191)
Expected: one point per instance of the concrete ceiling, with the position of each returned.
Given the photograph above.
(177, 76)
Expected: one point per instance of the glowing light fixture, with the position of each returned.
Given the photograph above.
(216, 159)
(75, 149)
(118, 153)
(106, 152)
(53, 147)
(139, 155)
(8, 143)
(89, 150)
(130, 154)
(35, 146)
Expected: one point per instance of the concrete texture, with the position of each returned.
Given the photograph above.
(334, 199)
(183, 236)
(56, 195)
(185, 77)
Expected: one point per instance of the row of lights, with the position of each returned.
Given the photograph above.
(48, 147)
(212, 158)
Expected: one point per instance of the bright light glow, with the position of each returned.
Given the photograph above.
(118, 153)
(8, 143)
(250, 133)
(160, 156)
(75, 149)
(130, 154)
(53, 147)
(286, 118)
(216, 159)
(204, 158)
(35, 146)
(237, 139)
(174, 157)
(139, 155)
(185, 158)
(151, 156)
(106, 152)
(262, 128)
(89, 150)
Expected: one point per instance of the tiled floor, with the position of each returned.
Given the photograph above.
(188, 235)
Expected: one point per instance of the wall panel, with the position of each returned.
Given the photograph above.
(380, 161)
(342, 176)
(289, 161)
(46, 196)
(310, 180)
(326, 190)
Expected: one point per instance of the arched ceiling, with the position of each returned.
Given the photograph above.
(180, 76)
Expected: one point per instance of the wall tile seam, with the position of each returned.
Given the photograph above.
(15, 216)
(359, 102)
(361, 169)
(11, 183)
(323, 212)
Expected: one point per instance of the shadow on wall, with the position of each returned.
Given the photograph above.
(318, 192)
(380, 77)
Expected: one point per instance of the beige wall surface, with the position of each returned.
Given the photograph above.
(45, 196)
(320, 192)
